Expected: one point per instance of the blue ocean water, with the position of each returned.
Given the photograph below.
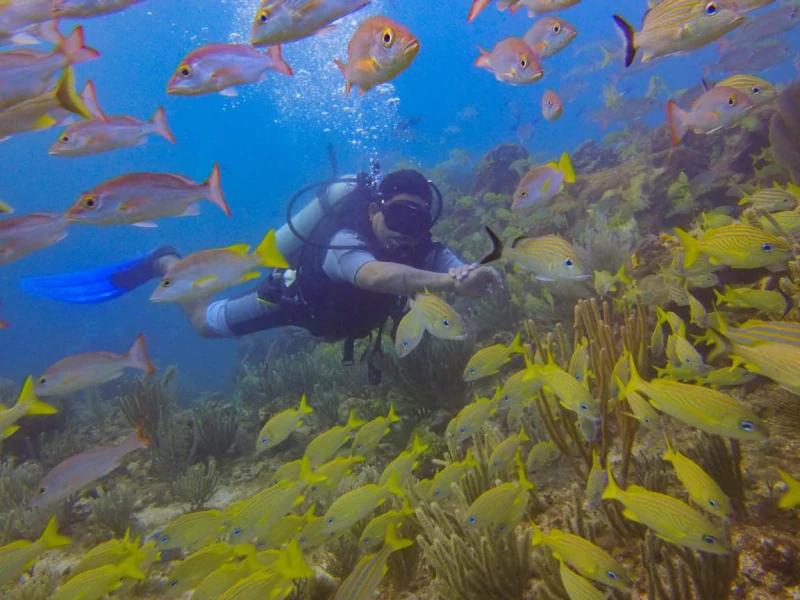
(271, 140)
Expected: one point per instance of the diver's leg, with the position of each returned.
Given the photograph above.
(242, 315)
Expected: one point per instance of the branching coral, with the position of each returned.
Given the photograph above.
(113, 510)
(149, 401)
(216, 428)
(196, 486)
(175, 447)
(723, 461)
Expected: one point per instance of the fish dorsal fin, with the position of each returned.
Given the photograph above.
(239, 249)
(301, 7)
(517, 240)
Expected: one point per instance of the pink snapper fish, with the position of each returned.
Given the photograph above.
(137, 198)
(717, 108)
(81, 470)
(104, 134)
(19, 236)
(282, 21)
(512, 61)
(82, 371)
(74, 9)
(550, 35)
(220, 67)
(543, 183)
(552, 106)
(537, 7)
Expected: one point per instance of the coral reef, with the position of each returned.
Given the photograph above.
(196, 486)
(113, 510)
(149, 400)
(215, 426)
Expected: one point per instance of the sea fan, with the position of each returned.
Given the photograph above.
(784, 130)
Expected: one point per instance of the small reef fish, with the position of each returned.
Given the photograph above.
(774, 199)
(500, 508)
(403, 465)
(577, 587)
(572, 394)
(595, 483)
(282, 21)
(674, 26)
(440, 319)
(502, 457)
(758, 90)
(289, 470)
(374, 533)
(779, 362)
(350, 508)
(327, 443)
(771, 303)
(788, 221)
(17, 557)
(199, 565)
(207, 272)
(27, 405)
(538, 7)
(80, 470)
(488, 361)
(192, 530)
(605, 282)
(585, 557)
(101, 133)
(98, 583)
(726, 377)
(314, 534)
(18, 14)
(477, 8)
(281, 533)
(74, 9)
(520, 388)
(717, 108)
(5, 208)
(511, 61)
(362, 583)
(739, 246)
(112, 552)
(471, 418)
(370, 435)
(549, 257)
(702, 408)
(439, 489)
(703, 490)
(672, 520)
(755, 332)
(334, 471)
(82, 371)
(275, 581)
(409, 334)
(642, 411)
(221, 67)
(540, 455)
(221, 580)
(552, 106)
(682, 354)
(792, 496)
(138, 198)
(697, 312)
(379, 51)
(549, 36)
(25, 75)
(541, 184)
(20, 236)
(282, 425)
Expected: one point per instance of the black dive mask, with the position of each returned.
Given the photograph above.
(406, 218)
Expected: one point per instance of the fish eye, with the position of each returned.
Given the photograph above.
(756, 89)
(748, 426)
(366, 541)
(359, 446)
(185, 71)
(263, 16)
(523, 61)
(472, 370)
(473, 520)
(549, 104)
(569, 263)
(524, 193)
(502, 527)
(264, 440)
(237, 532)
(731, 100)
(42, 380)
(584, 406)
(462, 430)
(709, 539)
(405, 343)
(90, 201)
(168, 282)
(767, 247)
(611, 575)
(65, 139)
(446, 323)
(313, 488)
(647, 420)
(557, 28)
(173, 583)
(41, 490)
(302, 540)
(330, 521)
(437, 493)
(711, 8)
(387, 37)
(713, 503)
(578, 377)
(164, 539)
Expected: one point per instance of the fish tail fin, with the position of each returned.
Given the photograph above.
(470, 461)
(670, 453)
(523, 477)
(524, 436)
(497, 248)
(268, 253)
(392, 416)
(792, 496)
(418, 447)
(141, 437)
(538, 536)
(89, 97)
(394, 542)
(304, 407)
(138, 358)
(622, 275)
(32, 405)
(516, 346)
(68, 97)
(612, 491)
(49, 32)
(129, 569)
(51, 538)
(393, 485)
(635, 380)
(213, 187)
(343, 68)
(565, 166)
(690, 247)
(628, 35)
(475, 10)
(292, 564)
(307, 475)
(353, 422)
(74, 50)
(676, 117)
(280, 65)
(159, 122)
(483, 59)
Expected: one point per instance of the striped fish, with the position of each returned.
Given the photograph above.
(368, 574)
(770, 302)
(17, 557)
(756, 332)
(774, 199)
(440, 319)
(642, 411)
(788, 220)
(702, 408)
(577, 587)
(549, 257)
(779, 362)
(409, 334)
(739, 246)
(221, 580)
(98, 583)
(757, 90)
(674, 26)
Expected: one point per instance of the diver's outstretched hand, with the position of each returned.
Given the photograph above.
(478, 281)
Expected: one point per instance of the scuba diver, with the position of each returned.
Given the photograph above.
(356, 251)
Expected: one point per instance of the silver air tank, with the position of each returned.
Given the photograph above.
(310, 216)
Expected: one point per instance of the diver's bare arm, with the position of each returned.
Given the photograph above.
(195, 310)
(401, 280)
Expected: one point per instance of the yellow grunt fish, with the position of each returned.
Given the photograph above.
(112, 552)
(374, 533)
(549, 257)
(278, 534)
(757, 90)
(404, 464)
(334, 471)
(221, 580)
(500, 508)
(792, 496)
(353, 506)
(502, 457)
(772, 303)
(98, 583)
(670, 519)
(577, 587)
(193, 530)
(327, 443)
(409, 334)
(370, 435)
(282, 425)
(788, 221)
(595, 483)
(572, 394)
(703, 490)
(17, 557)
(774, 199)
(542, 454)
(196, 567)
(739, 246)
(642, 411)
(440, 319)
(488, 361)
(27, 405)
(290, 470)
(471, 418)
(439, 489)
(779, 362)
(605, 282)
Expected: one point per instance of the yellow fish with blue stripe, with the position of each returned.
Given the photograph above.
(275, 581)
(683, 355)
(792, 496)
(370, 570)
(374, 533)
(282, 425)
(439, 489)
(500, 508)
(370, 435)
(17, 557)
(322, 448)
(487, 361)
(440, 319)
(97, 583)
(196, 567)
(779, 362)
(353, 506)
(520, 388)
(703, 490)
(577, 587)
(221, 580)
(193, 530)
(738, 246)
(112, 552)
(275, 535)
(410, 332)
(571, 393)
(642, 411)
(316, 534)
(589, 559)
(770, 302)
(471, 418)
(334, 471)
(404, 464)
(579, 363)
(502, 457)
(606, 282)
(542, 454)
(672, 520)
(290, 470)
(595, 483)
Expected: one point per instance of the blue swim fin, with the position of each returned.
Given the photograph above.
(99, 285)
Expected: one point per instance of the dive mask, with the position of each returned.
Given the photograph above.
(407, 218)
